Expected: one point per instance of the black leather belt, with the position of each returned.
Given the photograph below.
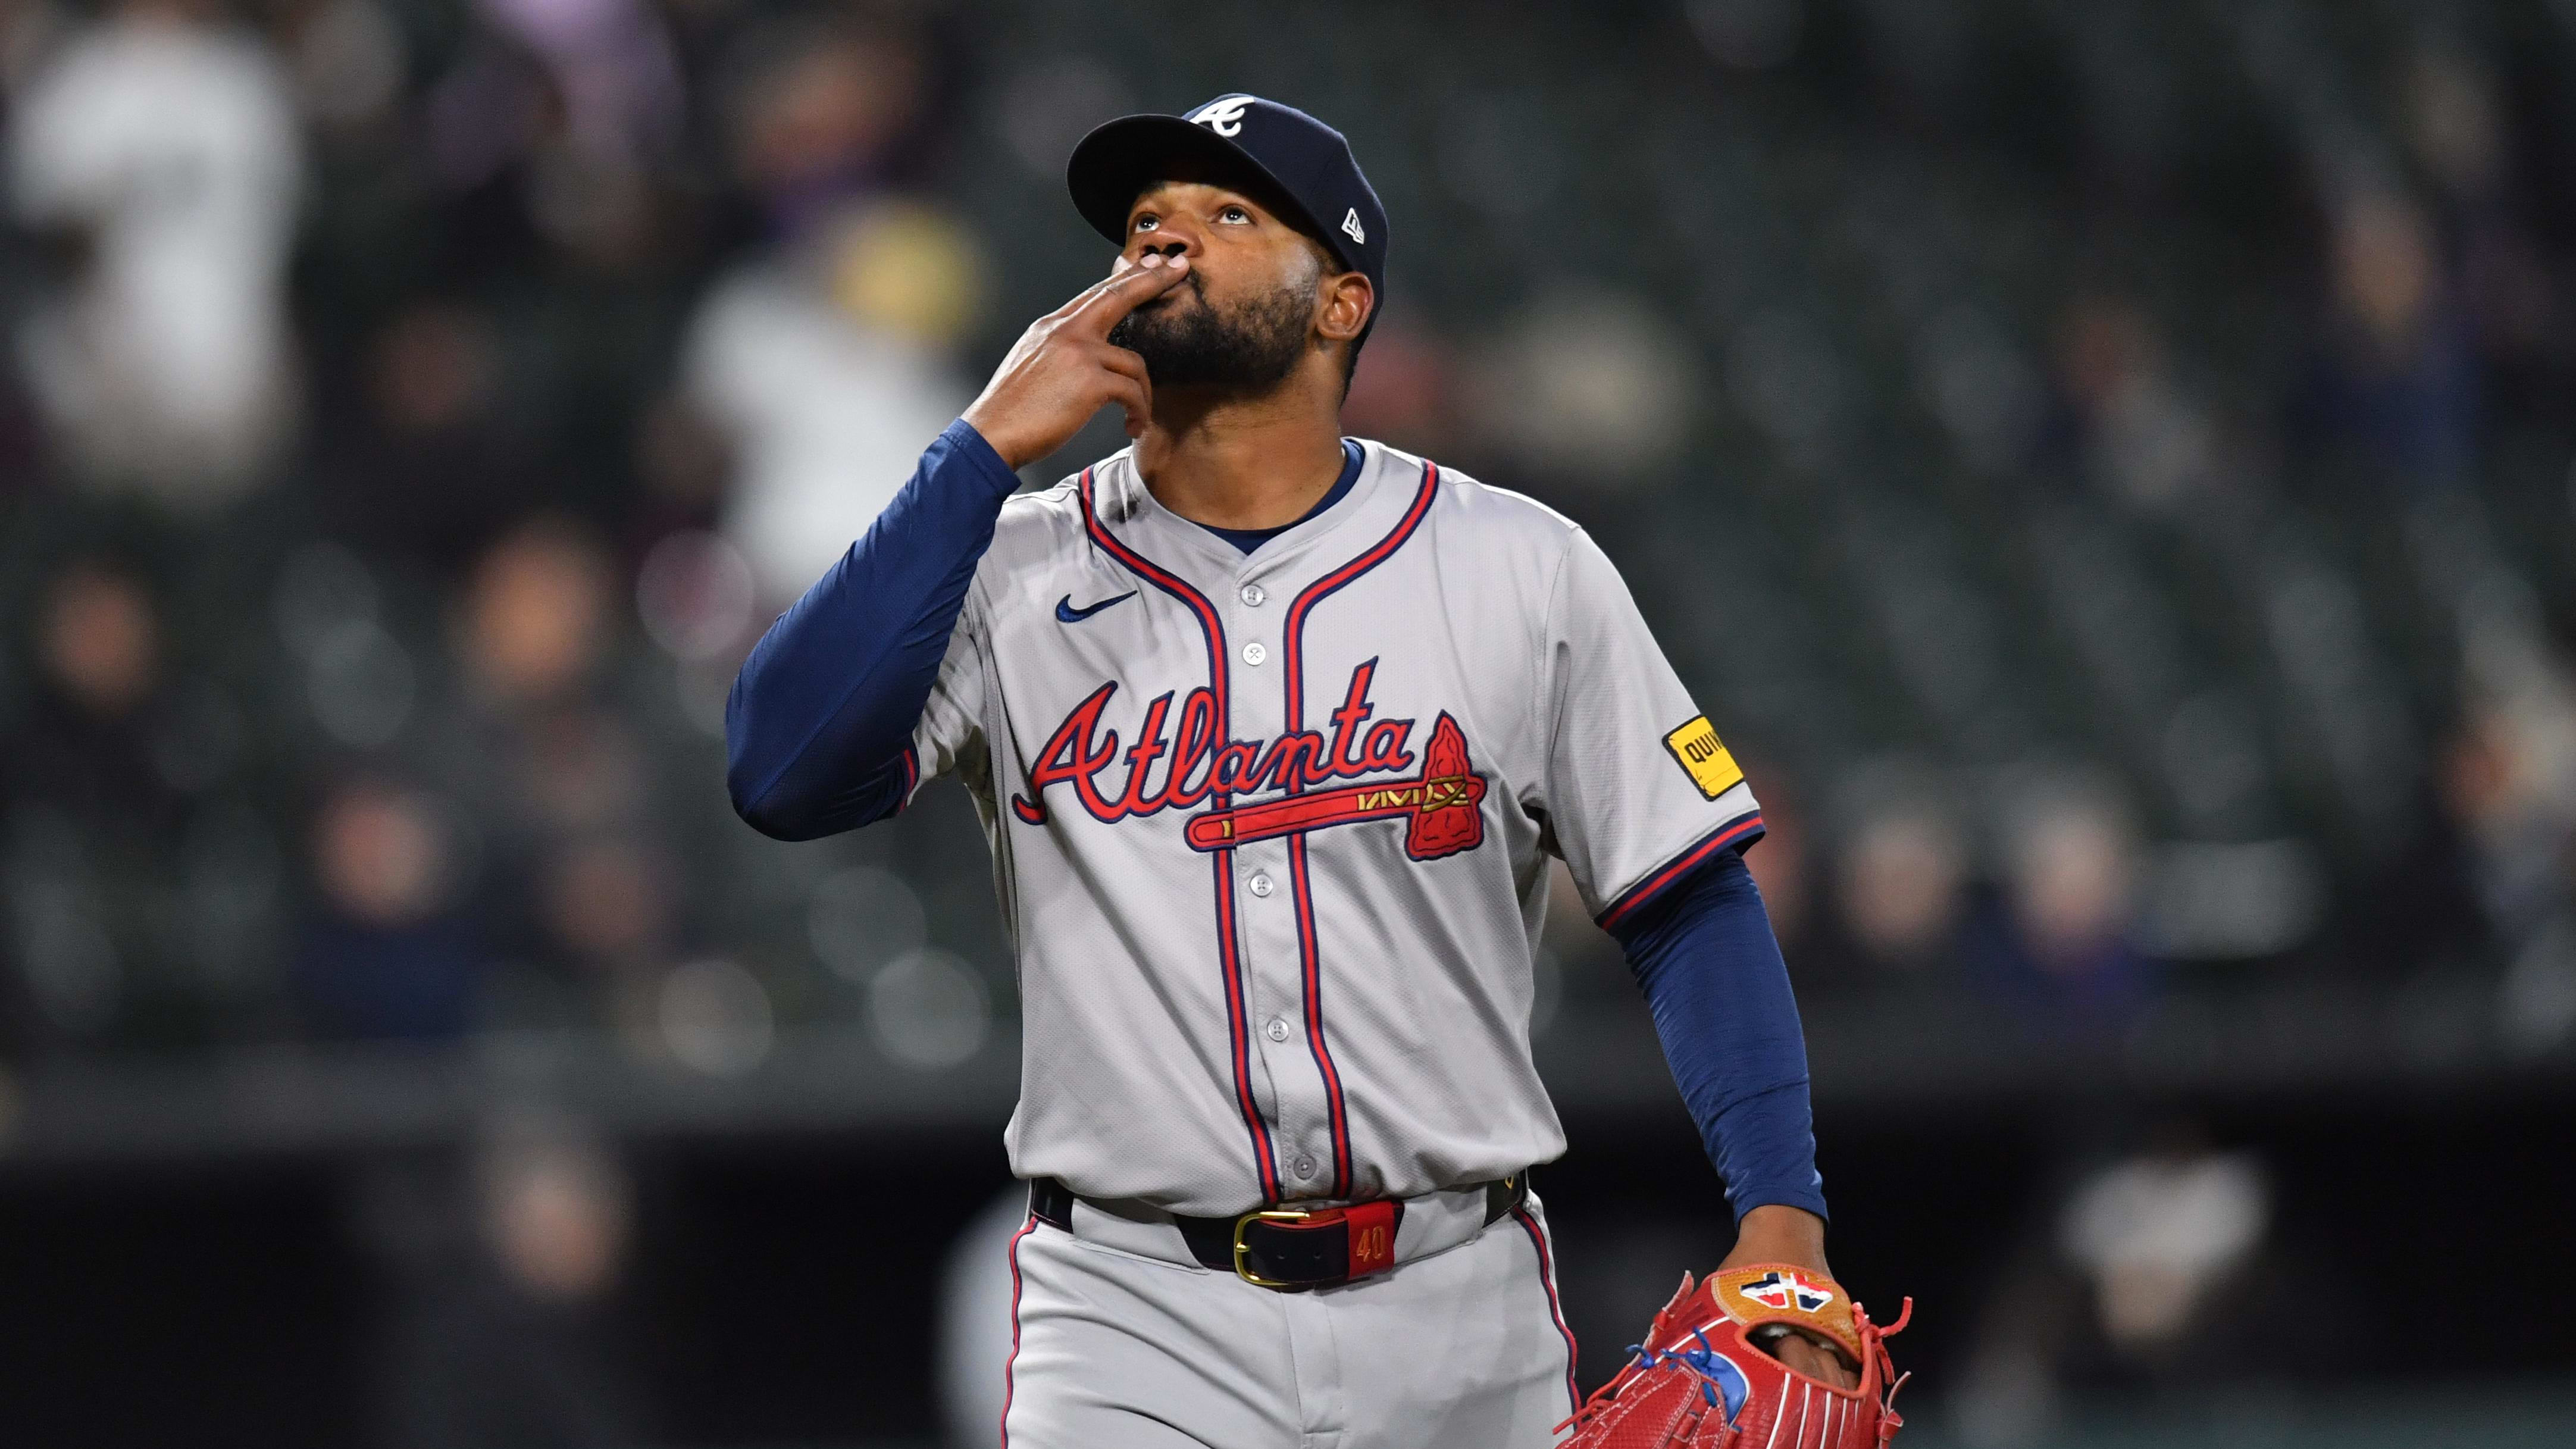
(1291, 1249)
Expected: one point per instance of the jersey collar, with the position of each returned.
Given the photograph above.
(1143, 523)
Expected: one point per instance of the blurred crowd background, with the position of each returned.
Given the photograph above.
(2105, 467)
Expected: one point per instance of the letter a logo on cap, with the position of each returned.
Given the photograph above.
(1223, 117)
(1352, 228)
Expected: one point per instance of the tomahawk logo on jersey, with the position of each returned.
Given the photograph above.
(1439, 803)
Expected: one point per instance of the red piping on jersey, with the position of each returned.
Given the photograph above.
(1292, 664)
(1739, 831)
(1236, 1026)
(1555, 1311)
(911, 779)
(1010, 1366)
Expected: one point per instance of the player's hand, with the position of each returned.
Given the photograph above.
(1063, 370)
(1776, 1233)
(1813, 1357)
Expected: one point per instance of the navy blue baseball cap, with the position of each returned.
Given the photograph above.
(1307, 163)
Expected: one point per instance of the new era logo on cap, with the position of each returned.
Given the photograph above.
(1351, 226)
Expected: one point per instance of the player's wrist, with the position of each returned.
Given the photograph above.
(997, 434)
(971, 455)
(1779, 1233)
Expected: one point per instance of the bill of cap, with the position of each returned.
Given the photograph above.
(1120, 158)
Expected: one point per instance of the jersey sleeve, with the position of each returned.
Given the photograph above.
(1638, 787)
(821, 730)
(950, 733)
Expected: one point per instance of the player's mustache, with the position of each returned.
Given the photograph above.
(1195, 281)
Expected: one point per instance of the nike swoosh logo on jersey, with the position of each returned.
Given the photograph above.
(1066, 613)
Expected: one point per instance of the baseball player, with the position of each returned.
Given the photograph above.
(1273, 733)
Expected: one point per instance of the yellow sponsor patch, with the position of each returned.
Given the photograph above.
(1704, 756)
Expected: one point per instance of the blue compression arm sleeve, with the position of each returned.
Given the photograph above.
(818, 730)
(1713, 977)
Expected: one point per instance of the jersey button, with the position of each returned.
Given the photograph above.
(1252, 596)
(1260, 884)
(1255, 652)
(1304, 1166)
(1277, 1029)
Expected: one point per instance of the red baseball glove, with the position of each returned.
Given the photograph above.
(1701, 1380)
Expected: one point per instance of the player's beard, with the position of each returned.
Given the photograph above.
(1245, 351)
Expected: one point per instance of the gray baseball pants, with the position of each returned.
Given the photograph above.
(1121, 1340)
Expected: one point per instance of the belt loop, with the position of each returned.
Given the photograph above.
(1504, 1194)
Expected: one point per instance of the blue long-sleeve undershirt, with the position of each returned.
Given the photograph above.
(1711, 970)
(818, 729)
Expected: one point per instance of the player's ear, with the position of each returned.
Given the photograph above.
(1344, 307)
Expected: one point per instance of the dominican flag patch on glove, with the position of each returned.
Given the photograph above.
(1789, 1290)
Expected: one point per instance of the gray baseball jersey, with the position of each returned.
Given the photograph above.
(1270, 831)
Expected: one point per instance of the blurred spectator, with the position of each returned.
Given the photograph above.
(2447, 109)
(819, 111)
(158, 151)
(501, 1275)
(555, 1212)
(2134, 433)
(2158, 1236)
(2158, 1267)
(2508, 782)
(536, 638)
(557, 752)
(92, 818)
(1588, 385)
(682, 458)
(611, 61)
(2394, 383)
(427, 469)
(606, 909)
(387, 952)
(535, 623)
(548, 129)
(580, 770)
(2453, 123)
(87, 742)
(2057, 944)
(1899, 884)
(826, 405)
(826, 360)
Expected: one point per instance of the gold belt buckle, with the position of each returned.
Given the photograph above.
(1283, 1215)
